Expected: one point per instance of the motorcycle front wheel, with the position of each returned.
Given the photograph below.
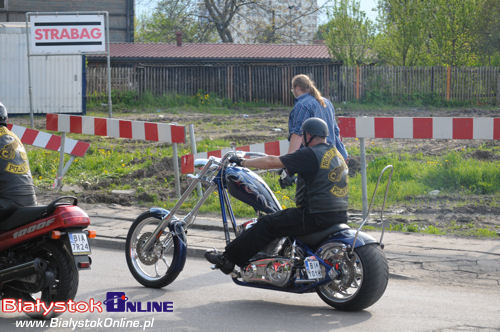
(156, 267)
(361, 279)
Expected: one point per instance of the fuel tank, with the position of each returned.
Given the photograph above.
(249, 188)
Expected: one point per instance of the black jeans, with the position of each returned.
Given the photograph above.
(11, 204)
(288, 222)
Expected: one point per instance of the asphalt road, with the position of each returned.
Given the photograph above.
(206, 300)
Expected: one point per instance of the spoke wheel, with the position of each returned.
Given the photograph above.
(153, 267)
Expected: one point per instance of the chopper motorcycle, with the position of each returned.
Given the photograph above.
(42, 249)
(345, 267)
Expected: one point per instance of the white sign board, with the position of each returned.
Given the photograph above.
(67, 34)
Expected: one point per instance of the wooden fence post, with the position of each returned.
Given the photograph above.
(249, 83)
(358, 76)
(498, 89)
(448, 83)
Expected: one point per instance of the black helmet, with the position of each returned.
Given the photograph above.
(315, 127)
(3, 114)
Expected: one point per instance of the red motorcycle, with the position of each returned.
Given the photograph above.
(42, 248)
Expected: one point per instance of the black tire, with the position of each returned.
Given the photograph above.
(172, 271)
(62, 264)
(373, 284)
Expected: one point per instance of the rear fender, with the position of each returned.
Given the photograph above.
(347, 237)
(62, 218)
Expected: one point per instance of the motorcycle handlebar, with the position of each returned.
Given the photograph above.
(242, 154)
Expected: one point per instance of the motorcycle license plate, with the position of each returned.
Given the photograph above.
(79, 243)
(313, 268)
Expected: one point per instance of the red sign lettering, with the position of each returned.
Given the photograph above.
(96, 33)
(64, 33)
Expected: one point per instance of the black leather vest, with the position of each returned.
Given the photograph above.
(16, 183)
(327, 191)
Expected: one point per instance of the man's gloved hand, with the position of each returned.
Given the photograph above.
(285, 179)
(235, 159)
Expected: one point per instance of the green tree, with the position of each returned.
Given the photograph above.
(171, 16)
(488, 31)
(348, 33)
(454, 34)
(403, 28)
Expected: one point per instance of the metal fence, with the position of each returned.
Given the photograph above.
(272, 82)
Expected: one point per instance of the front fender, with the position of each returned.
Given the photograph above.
(159, 212)
(176, 227)
(347, 237)
(177, 230)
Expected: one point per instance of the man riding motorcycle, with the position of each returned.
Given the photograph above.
(321, 197)
(16, 184)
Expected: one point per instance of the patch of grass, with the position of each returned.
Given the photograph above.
(407, 228)
(105, 160)
(454, 172)
(430, 229)
(382, 97)
(469, 229)
(417, 174)
(130, 101)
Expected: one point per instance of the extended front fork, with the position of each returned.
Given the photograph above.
(214, 183)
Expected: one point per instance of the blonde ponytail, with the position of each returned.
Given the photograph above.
(307, 85)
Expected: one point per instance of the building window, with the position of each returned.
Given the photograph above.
(3, 5)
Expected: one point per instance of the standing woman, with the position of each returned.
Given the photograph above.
(309, 103)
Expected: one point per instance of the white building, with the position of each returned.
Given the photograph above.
(274, 21)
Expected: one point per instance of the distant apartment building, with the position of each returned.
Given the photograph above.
(121, 13)
(273, 21)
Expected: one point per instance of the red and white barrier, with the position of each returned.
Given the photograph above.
(276, 148)
(430, 128)
(140, 130)
(49, 141)
(379, 127)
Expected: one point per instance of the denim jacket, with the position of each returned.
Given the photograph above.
(306, 106)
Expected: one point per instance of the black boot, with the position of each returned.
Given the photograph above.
(220, 261)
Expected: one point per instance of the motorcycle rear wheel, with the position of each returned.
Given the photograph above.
(62, 265)
(153, 269)
(361, 282)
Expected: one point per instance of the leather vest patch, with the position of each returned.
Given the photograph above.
(328, 190)
(17, 169)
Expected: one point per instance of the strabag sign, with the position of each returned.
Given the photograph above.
(67, 34)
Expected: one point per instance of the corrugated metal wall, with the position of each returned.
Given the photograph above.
(121, 13)
(56, 80)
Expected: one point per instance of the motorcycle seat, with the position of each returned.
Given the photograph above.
(22, 216)
(316, 238)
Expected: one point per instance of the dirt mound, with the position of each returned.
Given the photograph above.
(162, 168)
(483, 155)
